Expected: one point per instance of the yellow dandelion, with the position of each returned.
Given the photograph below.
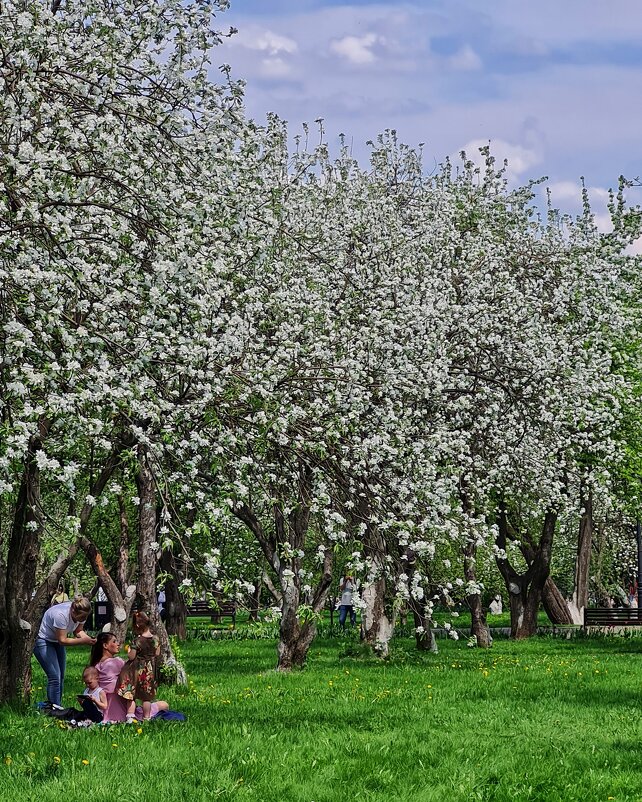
(139, 730)
(85, 762)
(56, 759)
(115, 746)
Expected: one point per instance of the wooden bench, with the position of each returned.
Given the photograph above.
(216, 613)
(618, 617)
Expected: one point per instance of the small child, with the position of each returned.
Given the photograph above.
(137, 678)
(93, 689)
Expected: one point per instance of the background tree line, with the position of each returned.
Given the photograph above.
(227, 361)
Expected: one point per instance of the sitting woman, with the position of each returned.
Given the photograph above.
(109, 665)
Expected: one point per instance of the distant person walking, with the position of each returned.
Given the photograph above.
(496, 605)
(346, 607)
(60, 595)
(53, 636)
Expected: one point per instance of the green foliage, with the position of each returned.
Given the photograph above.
(169, 673)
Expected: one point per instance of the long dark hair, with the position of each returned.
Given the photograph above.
(102, 639)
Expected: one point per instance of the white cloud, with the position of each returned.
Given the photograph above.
(465, 59)
(520, 159)
(572, 191)
(275, 68)
(565, 190)
(356, 49)
(268, 42)
(368, 66)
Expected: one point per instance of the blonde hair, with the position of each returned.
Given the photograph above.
(81, 607)
(89, 671)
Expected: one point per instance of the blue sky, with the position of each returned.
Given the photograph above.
(553, 84)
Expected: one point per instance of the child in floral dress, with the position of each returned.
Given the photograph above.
(137, 678)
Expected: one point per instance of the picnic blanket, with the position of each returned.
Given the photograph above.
(89, 714)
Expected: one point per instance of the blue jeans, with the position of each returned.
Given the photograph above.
(53, 658)
(344, 609)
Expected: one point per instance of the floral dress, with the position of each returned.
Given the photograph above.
(137, 679)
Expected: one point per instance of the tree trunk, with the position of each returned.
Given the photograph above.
(295, 636)
(121, 603)
(146, 598)
(21, 609)
(525, 590)
(122, 563)
(376, 627)
(479, 627)
(20, 614)
(424, 636)
(524, 601)
(15, 666)
(579, 599)
(274, 592)
(555, 604)
(552, 600)
(255, 598)
(175, 607)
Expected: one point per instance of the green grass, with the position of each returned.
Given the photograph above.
(547, 720)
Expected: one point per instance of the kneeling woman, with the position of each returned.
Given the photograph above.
(53, 637)
(104, 658)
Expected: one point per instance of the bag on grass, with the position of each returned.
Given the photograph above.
(61, 713)
(169, 715)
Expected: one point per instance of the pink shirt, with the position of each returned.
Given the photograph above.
(108, 671)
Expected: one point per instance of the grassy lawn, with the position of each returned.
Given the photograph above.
(546, 720)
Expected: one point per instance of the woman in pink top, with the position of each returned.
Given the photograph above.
(103, 657)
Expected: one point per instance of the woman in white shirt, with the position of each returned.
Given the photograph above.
(346, 607)
(53, 636)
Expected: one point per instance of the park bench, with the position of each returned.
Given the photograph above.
(204, 608)
(618, 617)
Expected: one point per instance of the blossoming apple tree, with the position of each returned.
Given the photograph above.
(109, 129)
